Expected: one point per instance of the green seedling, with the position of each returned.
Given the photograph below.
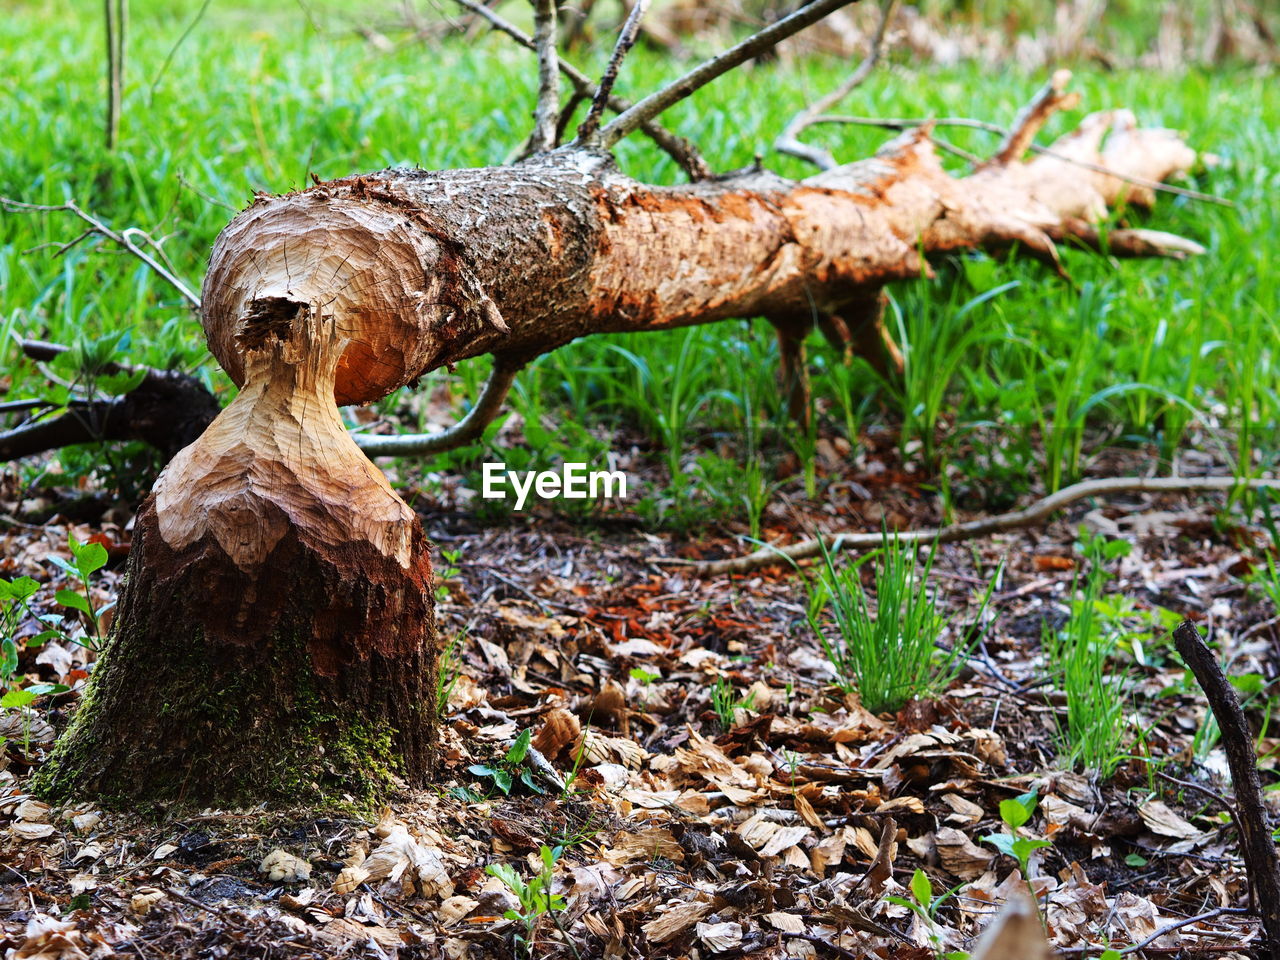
(923, 905)
(726, 703)
(86, 560)
(1015, 813)
(536, 898)
(511, 769)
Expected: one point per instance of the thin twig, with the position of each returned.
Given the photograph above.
(547, 114)
(903, 123)
(684, 153)
(1256, 846)
(717, 66)
(164, 67)
(789, 141)
(471, 427)
(122, 238)
(626, 39)
(115, 13)
(1040, 510)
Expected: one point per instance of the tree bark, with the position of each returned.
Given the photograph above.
(275, 639)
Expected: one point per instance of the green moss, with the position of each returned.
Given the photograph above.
(266, 725)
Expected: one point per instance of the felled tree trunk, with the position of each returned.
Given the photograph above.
(276, 639)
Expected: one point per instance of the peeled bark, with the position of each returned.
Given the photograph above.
(433, 268)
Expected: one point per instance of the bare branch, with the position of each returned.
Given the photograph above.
(471, 427)
(704, 73)
(678, 148)
(547, 115)
(123, 238)
(1048, 101)
(1041, 510)
(903, 123)
(789, 140)
(626, 39)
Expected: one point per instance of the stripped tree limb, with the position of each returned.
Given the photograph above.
(1036, 512)
(768, 38)
(789, 141)
(469, 428)
(1252, 820)
(906, 123)
(684, 153)
(626, 39)
(547, 115)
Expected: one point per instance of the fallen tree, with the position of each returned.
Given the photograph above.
(275, 637)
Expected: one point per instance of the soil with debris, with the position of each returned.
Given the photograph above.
(789, 823)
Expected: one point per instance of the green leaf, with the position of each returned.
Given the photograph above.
(17, 698)
(643, 675)
(69, 598)
(1110, 955)
(1136, 860)
(41, 638)
(118, 384)
(62, 564)
(526, 777)
(89, 558)
(1001, 841)
(520, 749)
(507, 874)
(8, 658)
(1014, 813)
(921, 888)
(23, 588)
(42, 688)
(1023, 848)
(503, 780)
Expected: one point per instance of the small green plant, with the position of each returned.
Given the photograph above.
(448, 569)
(536, 898)
(511, 769)
(726, 703)
(892, 655)
(15, 608)
(450, 670)
(86, 560)
(923, 905)
(1015, 813)
(1080, 654)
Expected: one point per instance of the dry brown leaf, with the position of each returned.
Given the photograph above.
(959, 855)
(453, 909)
(1160, 819)
(559, 729)
(645, 844)
(676, 920)
(719, 937)
(31, 831)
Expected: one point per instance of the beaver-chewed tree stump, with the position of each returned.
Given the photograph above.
(275, 639)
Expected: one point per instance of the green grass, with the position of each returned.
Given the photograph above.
(1146, 354)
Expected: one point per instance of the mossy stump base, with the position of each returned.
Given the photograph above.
(211, 694)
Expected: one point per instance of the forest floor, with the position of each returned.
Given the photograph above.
(699, 779)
